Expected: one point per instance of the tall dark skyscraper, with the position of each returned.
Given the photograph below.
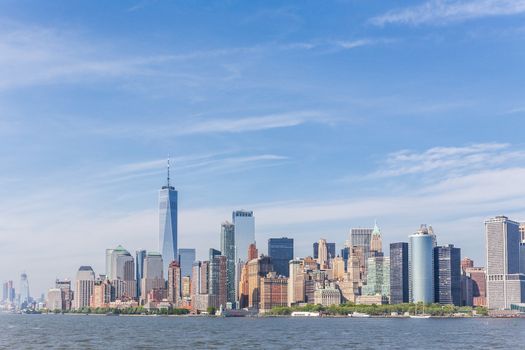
(329, 246)
(140, 255)
(168, 224)
(228, 250)
(447, 275)
(281, 252)
(345, 254)
(399, 292)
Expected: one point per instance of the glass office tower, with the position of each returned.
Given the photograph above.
(421, 266)
(168, 224)
(281, 252)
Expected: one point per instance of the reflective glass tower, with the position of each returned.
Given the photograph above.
(244, 222)
(421, 265)
(186, 260)
(24, 291)
(228, 250)
(281, 252)
(168, 224)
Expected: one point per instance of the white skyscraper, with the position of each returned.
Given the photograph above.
(421, 265)
(153, 274)
(121, 268)
(505, 283)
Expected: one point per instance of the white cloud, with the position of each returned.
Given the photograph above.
(444, 11)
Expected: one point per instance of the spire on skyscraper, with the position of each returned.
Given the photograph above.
(168, 171)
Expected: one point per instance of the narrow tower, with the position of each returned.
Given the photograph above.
(168, 223)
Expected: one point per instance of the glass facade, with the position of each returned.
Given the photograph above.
(168, 226)
(186, 259)
(330, 247)
(244, 222)
(228, 250)
(421, 266)
(399, 292)
(447, 275)
(281, 252)
(378, 279)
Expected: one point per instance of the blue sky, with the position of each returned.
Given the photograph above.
(319, 116)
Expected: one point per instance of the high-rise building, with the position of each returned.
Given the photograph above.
(361, 237)
(8, 294)
(330, 248)
(174, 283)
(153, 277)
(466, 263)
(399, 281)
(228, 250)
(376, 242)
(168, 202)
(253, 252)
(109, 253)
(322, 254)
(505, 283)
(421, 266)
(101, 296)
(274, 291)
(338, 268)
(522, 231)
(140, 255)
(122, 268)
(345, 254)
(54, 299)
(84, 287)
(447, 275)
(478, 279)
(186, 259)
(67, 294)
(281, 252)
(296, 285)
(218, 280)
(25, 297)
(257, 268)
(244, 222)
(378, 279)
(205, 277)
(185, 287)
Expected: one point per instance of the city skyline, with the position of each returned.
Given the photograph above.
(318, 121)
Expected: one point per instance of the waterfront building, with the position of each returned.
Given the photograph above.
(257, 268)
(205, 277)
(399, 280)
(153, 275)
(327, 295)
(174, 283)
(54, 299)
(356, 267)
(186, 287)
(140, 255)
(244, 223)
(447, 275)
(281, 252)
(274, 291)
(122, 268)
(243, 287)
(168, 223)
(186, 258)
(376, 242)
(378, 279)
(421, 266)
(66, 293)
(109, 252)
(84, 287)
(377, 299)
(296, 285)
(195, 285)
(505, 283)
(228, 250)
(101, 296)
(218, 280)
(25, 297)
(348, 289)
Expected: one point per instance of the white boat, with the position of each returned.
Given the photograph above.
(305, 314)
(358, 314)
(423, 315)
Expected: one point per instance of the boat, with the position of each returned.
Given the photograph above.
(423, 315)
(305, 314)
(358, 314)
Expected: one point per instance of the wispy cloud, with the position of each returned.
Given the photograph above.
(444, 11)
(452, 160)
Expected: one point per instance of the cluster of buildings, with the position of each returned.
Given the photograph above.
(236, 276)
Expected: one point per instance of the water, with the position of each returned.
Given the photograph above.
(93, 332)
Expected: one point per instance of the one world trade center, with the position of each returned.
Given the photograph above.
(168, 224)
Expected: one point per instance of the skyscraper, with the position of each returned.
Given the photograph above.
(421, 266)
(122, 268)
(228, 250)
(296, 282)
(54, 300)
(140, 255)
(330, 247)
(447, 275)
(244, 222)
(66, 293)
(218, 280)
(361, 237)
(168, 223)
(174, 283)
(376, 242)
(24, 291)
(378, 279)
(505, 283)
(399, 290)
(186, 260)
(153, 277)
(84, 287)
(281, 252)
(322, 254)
(522, 232)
